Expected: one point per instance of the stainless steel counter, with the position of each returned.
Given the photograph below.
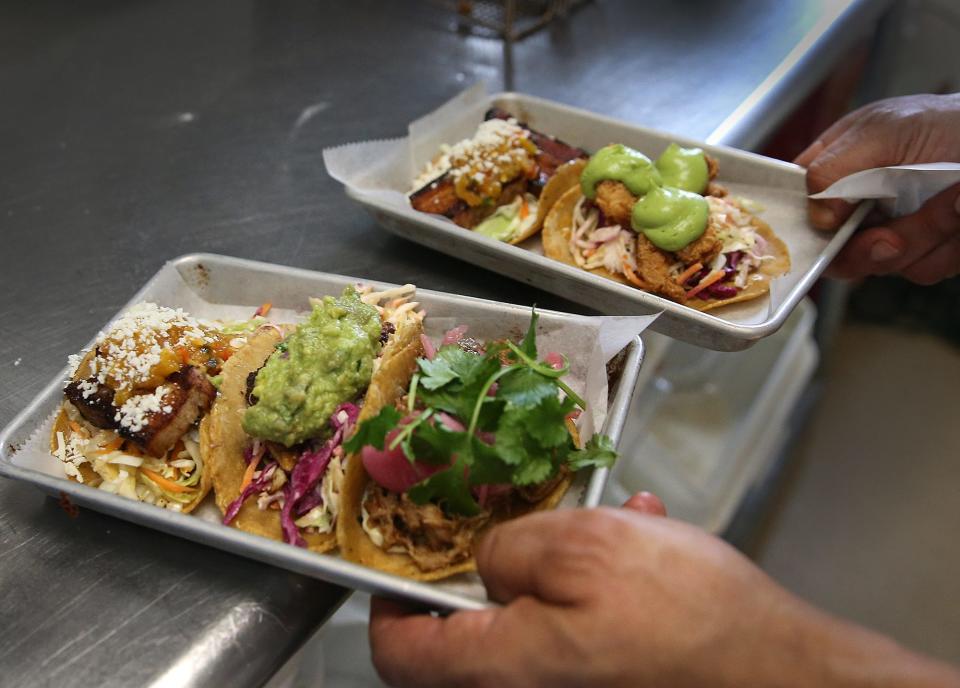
(132, 132)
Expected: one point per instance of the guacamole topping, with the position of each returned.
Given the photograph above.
(622, 164)
(670, 218)
(326, 361)
(506, 222)
(684, 168)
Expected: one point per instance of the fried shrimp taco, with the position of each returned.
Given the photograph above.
(665, 227)
(501, 182)
(287, 400)
(452, 441)
(128, 422)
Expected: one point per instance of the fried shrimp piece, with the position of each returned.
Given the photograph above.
(713, 169)
(616, 202)
(713, 166)
(704, 249)
(653, 265)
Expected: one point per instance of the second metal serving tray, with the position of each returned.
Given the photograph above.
(206, 285)
(777, 186)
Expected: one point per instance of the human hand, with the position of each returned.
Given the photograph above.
(621, 597)
(923, 247)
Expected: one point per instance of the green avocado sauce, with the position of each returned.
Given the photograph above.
(670, 211)
(622, 164)
(325, 362)
(501, 225)
(670, 218)
(683, 168)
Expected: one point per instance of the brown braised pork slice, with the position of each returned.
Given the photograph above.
(430, 537)
(440, 198)
(189, 394)
(97, 408)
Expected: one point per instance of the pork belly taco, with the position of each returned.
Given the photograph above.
(128, 423)
(501, 182)
(273, 440)
(458, 438)
(665, 227)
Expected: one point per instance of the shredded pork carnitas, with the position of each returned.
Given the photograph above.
(430, 537)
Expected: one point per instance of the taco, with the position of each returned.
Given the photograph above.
(665, 227)
(128, 421)
(501, 182)
(452, 441)
(288, 398)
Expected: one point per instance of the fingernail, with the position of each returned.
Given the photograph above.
(882, 251)
(822, 216)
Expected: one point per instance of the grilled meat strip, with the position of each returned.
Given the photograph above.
(97, 408)
(440, 198)
(189, 395)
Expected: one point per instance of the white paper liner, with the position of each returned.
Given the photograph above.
(903, 189)
(383, 170)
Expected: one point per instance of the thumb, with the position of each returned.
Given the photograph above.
(646, 503)
(855, 150)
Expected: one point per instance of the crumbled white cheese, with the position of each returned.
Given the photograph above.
(129, 350)
(133, 415)
(493, 143)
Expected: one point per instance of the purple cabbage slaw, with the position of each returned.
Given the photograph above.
(258, 484)
(718, 290)
(308, 472)
(301, 492)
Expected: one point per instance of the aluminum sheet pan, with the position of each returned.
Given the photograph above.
(222, 281)
(779, 187)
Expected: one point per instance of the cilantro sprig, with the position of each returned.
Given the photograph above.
(507, 395)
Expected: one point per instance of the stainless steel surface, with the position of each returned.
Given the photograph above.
(133, 132)
(803, 68)
(213, 281)
(778, 187)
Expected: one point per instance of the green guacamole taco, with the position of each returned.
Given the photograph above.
(273, 439)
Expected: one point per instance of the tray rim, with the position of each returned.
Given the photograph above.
(730, 336)
(334, 570)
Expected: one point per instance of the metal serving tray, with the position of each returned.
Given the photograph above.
(778, 186)
(204, 283)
